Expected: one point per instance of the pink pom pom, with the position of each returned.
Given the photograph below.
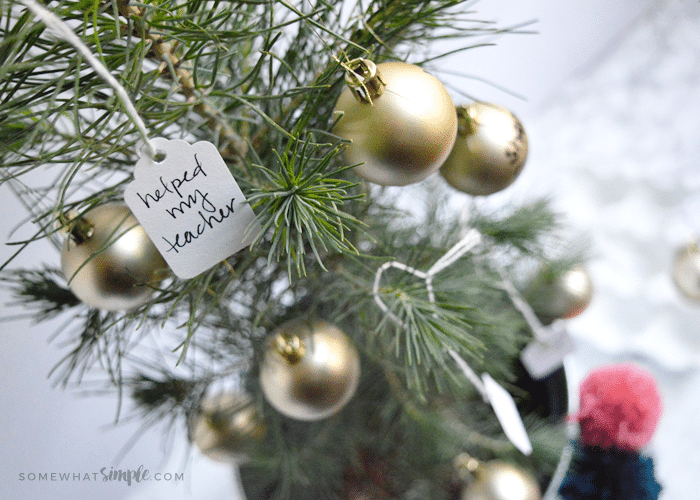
(620, 406)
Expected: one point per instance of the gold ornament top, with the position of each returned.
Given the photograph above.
(76, 227)
(686, 271)
(466, 115)
(227, 426)
(363, 77)
(291, 347)
(466, 465)
(405, 134)
(495, 480)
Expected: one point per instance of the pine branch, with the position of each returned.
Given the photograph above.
(40, 292)
(302, 206)
(233, 145)
(523, 228)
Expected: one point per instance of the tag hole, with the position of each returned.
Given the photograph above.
(160, 157)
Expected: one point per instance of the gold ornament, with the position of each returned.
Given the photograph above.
(495, 480)
(310, 369)
(109, 259)
(400, 119)
(490, 150)
(686, 271)
(560, 296)
(227, 427)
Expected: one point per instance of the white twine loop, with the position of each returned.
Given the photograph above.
(471, 239)
(62, 31)
(466, 244)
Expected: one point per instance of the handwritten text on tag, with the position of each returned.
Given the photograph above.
(190, 206)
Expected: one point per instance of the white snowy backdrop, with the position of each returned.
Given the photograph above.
(620, 148)
(613, 117)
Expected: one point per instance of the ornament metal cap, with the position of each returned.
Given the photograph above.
(78, 228)
(494, 480)
(363, 77)
(227, 426)
(291, 347)
(686, 270)
(465, 120)
(465, 465)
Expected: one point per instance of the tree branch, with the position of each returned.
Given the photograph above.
(233, 146)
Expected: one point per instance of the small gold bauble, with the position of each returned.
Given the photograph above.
(227, 427)
(490, 150)
(310, 369)
(498, 480)
(400, 119)
(560, 296)
(686, 271)
(110, 261)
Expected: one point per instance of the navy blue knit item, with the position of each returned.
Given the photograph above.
(610, 474)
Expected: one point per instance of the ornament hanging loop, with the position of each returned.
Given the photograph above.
(465, 121)
(290, 347)
(465, 465)
(363, 77)
(76, 227)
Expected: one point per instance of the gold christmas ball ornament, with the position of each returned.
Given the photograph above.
(496, 480)
(227, 427)
(560, 295)
(109, 260)
(310, 369)
(686, 271)
(400, 120)
(490, 150)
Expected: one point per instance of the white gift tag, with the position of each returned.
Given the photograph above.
(507, 414)
(190, 206)
(543, 358)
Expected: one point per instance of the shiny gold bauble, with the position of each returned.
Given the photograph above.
(310, 369)
(490, 150)
(560, 295)
(686, 271)
(112, 264)
(402, 126)
(498, 480)
(227, 427)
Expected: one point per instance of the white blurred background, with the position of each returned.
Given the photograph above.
(612, 111)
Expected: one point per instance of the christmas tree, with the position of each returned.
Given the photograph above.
(330, 323)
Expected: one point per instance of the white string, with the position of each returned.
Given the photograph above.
(377, 281)
(472, 238)
(567, 454)
(467, 243)
(470, 374)
(540, 333)
(560, 472)
(62, 31)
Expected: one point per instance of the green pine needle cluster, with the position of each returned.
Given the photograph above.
(302, 206)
